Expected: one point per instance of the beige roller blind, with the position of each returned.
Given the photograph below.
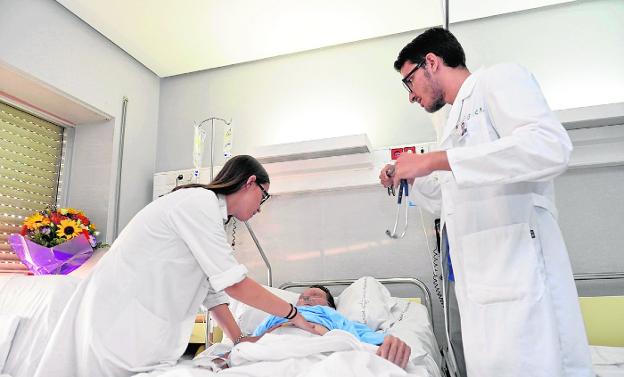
(30, 158)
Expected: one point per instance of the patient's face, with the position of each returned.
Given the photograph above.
(312, 297)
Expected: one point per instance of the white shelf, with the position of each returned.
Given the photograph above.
(592, 116)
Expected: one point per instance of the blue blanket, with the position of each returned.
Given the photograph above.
(329, 318)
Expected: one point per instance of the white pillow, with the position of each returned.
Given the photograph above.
(8, 325)
(366, 301)
(410, 322)
(248, 318)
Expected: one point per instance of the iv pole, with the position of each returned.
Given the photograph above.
(212, 133)
(208, 341)
(251, 232)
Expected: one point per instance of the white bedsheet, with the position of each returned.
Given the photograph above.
(39, 302)
(410, 323)
(608, 361)
(295, 353)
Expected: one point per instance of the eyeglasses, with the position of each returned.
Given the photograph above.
(407, 80)
(265, 195)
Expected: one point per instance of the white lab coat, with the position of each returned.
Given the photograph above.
(519, 307)
(136, 310)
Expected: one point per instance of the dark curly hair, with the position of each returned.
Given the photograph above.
(438, 41)
(330, 297)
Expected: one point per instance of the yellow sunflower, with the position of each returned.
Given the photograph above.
(68, 229)
(36, 221)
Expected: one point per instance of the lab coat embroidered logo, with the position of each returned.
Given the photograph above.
(460, 128)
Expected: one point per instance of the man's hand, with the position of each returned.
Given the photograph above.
(395, 350)
(384, 178)
(412, 165)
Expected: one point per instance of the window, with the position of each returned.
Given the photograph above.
(30, 163)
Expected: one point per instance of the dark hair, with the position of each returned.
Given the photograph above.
(330, 298)
(233, 176)
(438, 41)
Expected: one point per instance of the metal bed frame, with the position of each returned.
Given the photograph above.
(599, 276)
(426, 294)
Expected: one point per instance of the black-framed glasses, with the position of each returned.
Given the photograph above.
(407, 80)
(265, 195)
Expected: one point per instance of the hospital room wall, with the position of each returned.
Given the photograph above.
(340, 234)
(44, 40)
(573, 49)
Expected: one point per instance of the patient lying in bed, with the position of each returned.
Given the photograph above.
(316, 304)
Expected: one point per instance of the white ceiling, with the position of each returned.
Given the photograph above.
(172, 37)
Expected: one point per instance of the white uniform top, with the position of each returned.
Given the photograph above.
(517, 299)
(137, 308)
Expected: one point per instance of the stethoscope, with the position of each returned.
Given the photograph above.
(403, 191)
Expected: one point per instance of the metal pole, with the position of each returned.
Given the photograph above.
(122, 132)
(212, 131)
(599, 276)
(207, 341)
(445, 10)
(212, 148)
(264, 258)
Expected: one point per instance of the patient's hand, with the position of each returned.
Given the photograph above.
(318, 329)
(301, 322)
(395, 350)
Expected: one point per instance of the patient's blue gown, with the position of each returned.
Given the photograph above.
(331, 319)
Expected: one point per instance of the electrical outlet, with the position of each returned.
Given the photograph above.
(395, 153)
(420, 149)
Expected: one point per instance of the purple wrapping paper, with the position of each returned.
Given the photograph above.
(61, 259)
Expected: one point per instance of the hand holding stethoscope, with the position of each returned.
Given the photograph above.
(388, 172)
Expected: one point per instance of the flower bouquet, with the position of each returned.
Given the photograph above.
(55, 241)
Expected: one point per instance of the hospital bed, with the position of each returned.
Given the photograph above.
(366, 300)
(31, 306)
(604, 323)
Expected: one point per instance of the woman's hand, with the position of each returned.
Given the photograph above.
(250, 339)
(301, 323)
(395, 350)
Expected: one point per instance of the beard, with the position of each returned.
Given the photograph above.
(436, 93)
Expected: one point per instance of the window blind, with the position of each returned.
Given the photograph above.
(30, 161)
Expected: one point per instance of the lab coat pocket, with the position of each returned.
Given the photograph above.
(137, 336)
(501, 264)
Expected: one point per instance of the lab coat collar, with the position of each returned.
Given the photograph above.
(464, 92)
(223, 206)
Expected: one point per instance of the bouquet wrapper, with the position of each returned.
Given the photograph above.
(60, 259)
